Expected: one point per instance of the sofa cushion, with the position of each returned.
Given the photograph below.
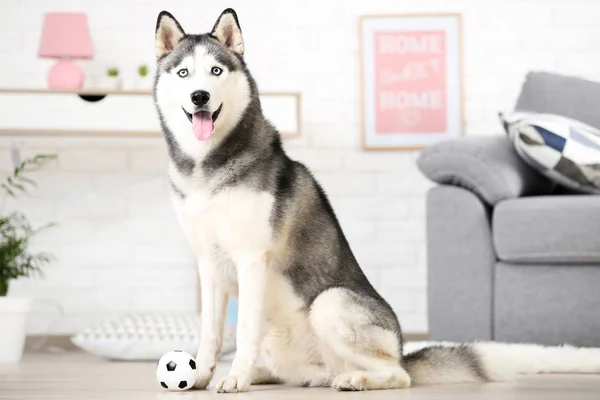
(569, 96)
(486, 165)
(548, 229)
(563, 149)
(548, 304)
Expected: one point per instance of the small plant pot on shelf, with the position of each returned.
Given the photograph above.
(144, 83)
(111, 83)
(143, 78)
(112, 80)
(13, 319)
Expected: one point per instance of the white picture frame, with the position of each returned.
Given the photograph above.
(411, 80)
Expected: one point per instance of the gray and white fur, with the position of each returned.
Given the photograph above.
(263, 230)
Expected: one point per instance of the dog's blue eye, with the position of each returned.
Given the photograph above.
(182, 72)
(216, 71)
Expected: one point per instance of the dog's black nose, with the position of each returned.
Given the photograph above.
(200, 97)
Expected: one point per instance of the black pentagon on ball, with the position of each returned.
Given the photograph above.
(177, 351)
(171, 366)
(192, 364)
(182, 384)
(164, 385)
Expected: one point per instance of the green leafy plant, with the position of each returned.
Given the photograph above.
(143, 70)
(16, 232)
(113, 72)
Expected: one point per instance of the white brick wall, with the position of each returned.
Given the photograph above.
(118, 246)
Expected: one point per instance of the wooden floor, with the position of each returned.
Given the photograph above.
(80, 376)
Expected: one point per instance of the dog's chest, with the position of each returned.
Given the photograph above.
(237, 220)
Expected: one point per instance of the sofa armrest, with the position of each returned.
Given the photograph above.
(460, 265)
(486, 165)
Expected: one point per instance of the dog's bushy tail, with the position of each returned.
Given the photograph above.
(490, 361)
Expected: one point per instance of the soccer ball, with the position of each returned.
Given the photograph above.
(176, 370)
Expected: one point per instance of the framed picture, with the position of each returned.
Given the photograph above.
(411, 80)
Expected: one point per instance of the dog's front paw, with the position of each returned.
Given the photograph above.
(349, 381)
(203, 379)
(233, 384)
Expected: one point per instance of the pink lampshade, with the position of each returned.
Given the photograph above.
(65, 35)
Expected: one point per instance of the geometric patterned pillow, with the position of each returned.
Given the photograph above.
(564, 150)
(147, 336)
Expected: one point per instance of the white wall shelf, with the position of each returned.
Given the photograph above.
(94, 112)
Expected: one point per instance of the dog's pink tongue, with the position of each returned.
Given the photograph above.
(202, 125)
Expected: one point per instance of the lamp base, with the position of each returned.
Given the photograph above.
(65, 75)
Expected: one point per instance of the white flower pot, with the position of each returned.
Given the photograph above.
(144, 83)
(13, 317)
(110, 83)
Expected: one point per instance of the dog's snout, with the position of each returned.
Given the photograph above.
(200, 97)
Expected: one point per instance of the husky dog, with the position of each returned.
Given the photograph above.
(263, 230)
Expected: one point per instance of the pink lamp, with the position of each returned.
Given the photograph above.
(65, 36)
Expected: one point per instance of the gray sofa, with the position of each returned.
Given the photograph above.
(513, 257)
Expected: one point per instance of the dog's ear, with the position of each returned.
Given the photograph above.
(168, 33)
(227, 30)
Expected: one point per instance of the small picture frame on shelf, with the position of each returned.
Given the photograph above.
(411, 80)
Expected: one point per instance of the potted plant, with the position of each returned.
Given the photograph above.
(16, 260)
(113, 78)
(143, 80)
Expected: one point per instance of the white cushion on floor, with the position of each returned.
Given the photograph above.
(147, 336)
